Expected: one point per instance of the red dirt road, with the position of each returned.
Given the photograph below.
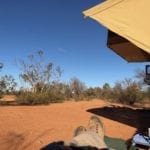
(31, 127)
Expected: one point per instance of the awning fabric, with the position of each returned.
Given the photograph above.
(128, 22)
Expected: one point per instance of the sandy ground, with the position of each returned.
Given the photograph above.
(32, 127)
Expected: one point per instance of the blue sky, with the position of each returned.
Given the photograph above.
(57, 27)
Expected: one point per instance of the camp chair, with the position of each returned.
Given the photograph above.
(140, 140)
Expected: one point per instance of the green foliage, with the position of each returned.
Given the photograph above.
(43, 78)
(7, 84)
(60, 90)
(106, 91)
(106, 86)
(92, 93)
(29, 98)
(32, 98)
(126, 91)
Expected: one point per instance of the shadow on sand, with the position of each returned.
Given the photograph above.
(19, 141)
(138, 118)
(12, 141)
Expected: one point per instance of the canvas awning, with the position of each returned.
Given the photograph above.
(128, 22)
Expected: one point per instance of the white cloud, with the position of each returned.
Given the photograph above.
(62, 50)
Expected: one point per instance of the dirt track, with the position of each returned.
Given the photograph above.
(31, 127)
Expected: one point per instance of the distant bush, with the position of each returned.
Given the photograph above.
(129, 96)
(4, 102)
(1, 94)
(127, 92)
(7, 84)
(147, 93)
(56, 97)
(29, 98)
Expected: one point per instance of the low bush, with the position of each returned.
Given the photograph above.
(56, 97)
(128, 92)
(1, 95)
(29, 98)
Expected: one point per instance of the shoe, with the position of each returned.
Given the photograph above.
(79, 130)
(96, 125)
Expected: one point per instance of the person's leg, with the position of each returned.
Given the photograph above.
(94, 136)
(79, 130)
(96, 125)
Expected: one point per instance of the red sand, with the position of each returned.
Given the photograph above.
(31, 127)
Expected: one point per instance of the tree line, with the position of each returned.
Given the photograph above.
(43, 85)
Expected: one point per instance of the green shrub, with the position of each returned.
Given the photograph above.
(32, 98)
(56, 97)
(29, 98)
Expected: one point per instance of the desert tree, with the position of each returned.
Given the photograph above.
(7, 84)
(38, 73)
(77, 86)
(106, 91)
(140, 76)
(128, 91)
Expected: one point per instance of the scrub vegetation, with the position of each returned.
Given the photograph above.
(42, 85)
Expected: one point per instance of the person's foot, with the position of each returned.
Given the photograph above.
(79, 130)
(96, 125)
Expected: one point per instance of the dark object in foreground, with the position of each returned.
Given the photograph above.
(114, 143)
(147, 74)
(60, 146)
